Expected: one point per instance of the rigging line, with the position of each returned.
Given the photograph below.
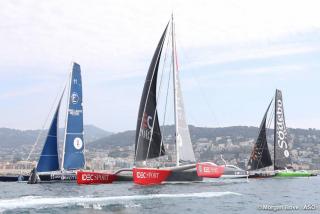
(271, 114)
(201, 90)
(165, 106)
(84, 150)
(175, 95)
(157, 98)
(255, 146)
(163, 66)
(269, 120)
(168, 84)
(66, 115)
(204, 97)
(44, 124)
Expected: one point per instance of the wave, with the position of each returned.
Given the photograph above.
(37, 202)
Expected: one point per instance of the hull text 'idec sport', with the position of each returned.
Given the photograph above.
(147, 176)
(209, 170)
(87, 177)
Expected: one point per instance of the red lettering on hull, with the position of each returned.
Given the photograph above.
(144, 176)
(85, 177)
(209, 170)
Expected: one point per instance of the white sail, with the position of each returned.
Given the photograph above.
(184, 150)
(183, 140)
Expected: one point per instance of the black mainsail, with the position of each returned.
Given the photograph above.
(260, 156)
(282, 157)
(148, 134)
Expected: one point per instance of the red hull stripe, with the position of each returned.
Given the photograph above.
(85, 177)
(145, 176)
(209, 170)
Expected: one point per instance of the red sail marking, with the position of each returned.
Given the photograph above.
(145, 120)
(145, 176)
(209, 170)
(87, 177)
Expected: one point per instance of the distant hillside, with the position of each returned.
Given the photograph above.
(11, 138)
(127, 138)
(235, 133)
(93, 133)
(119, 139)
(235, 143)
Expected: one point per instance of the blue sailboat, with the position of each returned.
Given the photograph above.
(48, 168)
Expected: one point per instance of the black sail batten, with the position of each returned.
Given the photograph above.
(282, 158)
(148, 134)
(260, 156)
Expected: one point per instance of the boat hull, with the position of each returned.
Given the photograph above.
(153, 176)
(209, 170)
(233, 172)
(51, 177)
(89, 177)
(14, 178)
(257, 176)
(189, 175)
(149, 176)
(293, 174)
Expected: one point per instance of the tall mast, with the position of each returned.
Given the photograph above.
(66, 119)
(275, 131)
(174, 70)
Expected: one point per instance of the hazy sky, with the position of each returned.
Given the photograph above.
(232, 55)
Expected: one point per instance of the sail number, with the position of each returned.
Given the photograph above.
(282, 132)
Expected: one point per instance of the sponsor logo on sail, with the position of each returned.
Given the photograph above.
(281, 129)
(74, 112)
(77, 143)
(147, 123)
(74, 98)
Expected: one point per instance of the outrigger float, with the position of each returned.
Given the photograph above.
(92, 177)
(227, 171)
(294, 173)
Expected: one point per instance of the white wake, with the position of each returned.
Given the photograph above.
(44, 202)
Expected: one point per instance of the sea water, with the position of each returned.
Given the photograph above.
(269, 195)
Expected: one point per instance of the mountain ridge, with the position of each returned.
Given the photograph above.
(126, 138)
(10, 138)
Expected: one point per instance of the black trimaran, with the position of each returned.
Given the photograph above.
(149, 142)
(260, 157)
